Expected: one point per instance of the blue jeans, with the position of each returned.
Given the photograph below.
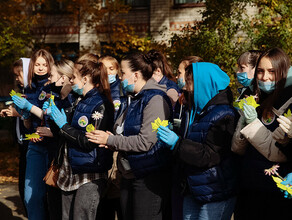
(35, 187)
(192, 210)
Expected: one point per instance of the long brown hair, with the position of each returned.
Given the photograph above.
(281, 63)
(98, 73)
(114, 62)
(39, 53)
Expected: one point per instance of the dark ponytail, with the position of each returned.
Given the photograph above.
(98, 74)
(141, 62)
(160, 61)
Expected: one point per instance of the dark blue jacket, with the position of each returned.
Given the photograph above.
(205, 149)
(158, 156)
(169, 84)
(37, 95)
(91, 159)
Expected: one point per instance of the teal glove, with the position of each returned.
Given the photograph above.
(22, 103)
(250, 113)
(46, 105)
(58, 116)
(167, 136)
(288, 181)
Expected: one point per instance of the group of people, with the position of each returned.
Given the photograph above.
(132, 141)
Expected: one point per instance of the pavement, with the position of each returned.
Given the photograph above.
(11, 207)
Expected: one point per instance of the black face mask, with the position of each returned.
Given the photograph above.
(42, 77)
(56, 89)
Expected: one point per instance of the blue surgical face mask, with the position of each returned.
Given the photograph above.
(181, 83)
(267, 87)
(76, 89)
(127, 87)
(111, 78)
(243, 79)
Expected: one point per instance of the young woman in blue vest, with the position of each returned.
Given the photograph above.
(84, 168)
(110, 206)
(142, 160)
(204, 147)
(163, 74)
(37, 154)
(262, 143)
(113, 70)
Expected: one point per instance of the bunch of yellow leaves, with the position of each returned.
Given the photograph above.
(287, 188)
(13, 93)
(31, 136)
(157, 123)
(249, 101)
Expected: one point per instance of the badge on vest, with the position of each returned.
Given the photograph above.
(42, 96)
(117, 104)
(83, 121)
(271, 118)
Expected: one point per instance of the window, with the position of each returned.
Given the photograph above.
(132, 3)
(187, 1)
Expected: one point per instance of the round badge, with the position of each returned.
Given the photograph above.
(117, 104)
(269, 120)
(83, 121)
(42, 96)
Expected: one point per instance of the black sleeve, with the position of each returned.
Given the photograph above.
(216, 145)
(78, 138)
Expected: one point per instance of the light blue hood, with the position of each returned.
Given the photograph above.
(209, 79)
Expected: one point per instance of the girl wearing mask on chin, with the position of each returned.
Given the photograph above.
(37, 155)
(261, 141)
(203, 148)
(84, 168)
(142, 160)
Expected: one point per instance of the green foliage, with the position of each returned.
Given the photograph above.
(272, 27)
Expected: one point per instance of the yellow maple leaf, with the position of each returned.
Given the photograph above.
(12, 93)
(157, 123)
(249, 101)
(278, 181)
(288, 114)
(30, 136)
(52, 97)
(90, 128)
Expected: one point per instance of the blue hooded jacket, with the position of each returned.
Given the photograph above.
(207, 131)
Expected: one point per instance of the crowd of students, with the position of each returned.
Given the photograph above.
(205, 159)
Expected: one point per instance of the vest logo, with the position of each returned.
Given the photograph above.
(271, 118)
(42, 96)
(83, 121)
(117, 104)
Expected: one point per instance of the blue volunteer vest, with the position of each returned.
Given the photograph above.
(169, 83)
(159, 155)
(98, 160)
(216, 183)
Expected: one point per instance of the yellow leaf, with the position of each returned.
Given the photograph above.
(249, 101)
(90, 128)
(157, 123)
(30, 136)
(288, 114)
(287, 188)
(12, 93)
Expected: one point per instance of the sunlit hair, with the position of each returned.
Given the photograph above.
(160, 61)
(17, 66)
(40, 53)
(65, 67)
(98, 74)
(140, 62)
(281, 63)
(89, 56)
(250, 57)
(113, 61)
(191, 59)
